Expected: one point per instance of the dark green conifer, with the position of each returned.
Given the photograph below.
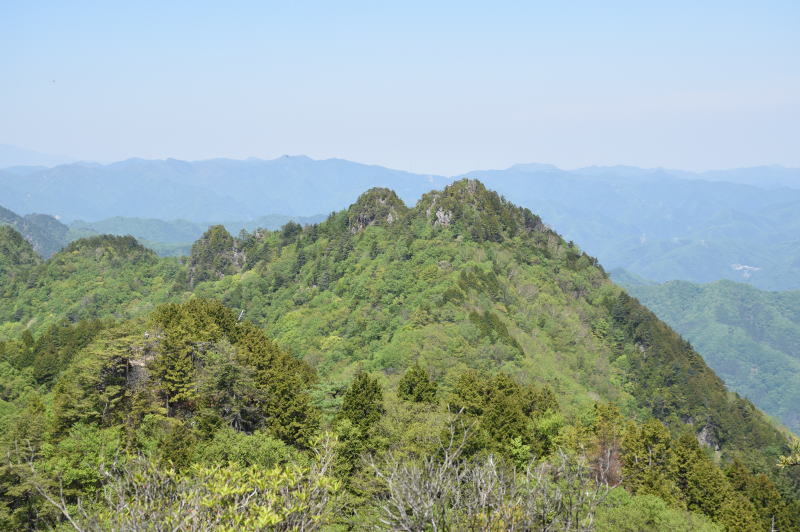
(363, 402)
(650, 465)
(417, 386)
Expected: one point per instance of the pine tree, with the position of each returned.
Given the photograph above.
(649, 462)
(361, 411)
(608, 428)
(772, 509)
(189, 330)
(417, 386)
(284, 380)
(703, 485)
(469, 394)
(363, 402)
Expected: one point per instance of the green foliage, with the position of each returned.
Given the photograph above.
(792, 458)
(509, 417)
(647, 513)
(99, 277)
(773, 511)
(363, 402)
(749, 337)
(258, 449)
(15, 252)
(650, 465)
(214, 255)
(537, 355)
(417, 386)
(57, 346)
(702, 394)
(207, 358)
(189, 331)
(76, 460)
(376, 206)
(477, 212)
(680, 473)
(228, 497)
(45, 234)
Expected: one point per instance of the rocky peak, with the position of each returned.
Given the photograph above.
(377, 206)
(468, 206)
(215, 255)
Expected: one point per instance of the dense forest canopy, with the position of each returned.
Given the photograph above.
(751, 338)
(452, 365)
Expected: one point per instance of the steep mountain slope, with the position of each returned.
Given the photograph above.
(45, 233)
(520, 335)
(463, 279)
(749, 337)
(466, 279)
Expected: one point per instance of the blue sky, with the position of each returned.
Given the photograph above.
(440, 87)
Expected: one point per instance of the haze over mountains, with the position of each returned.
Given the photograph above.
(740, 224)
(15, 156)
(219, 189)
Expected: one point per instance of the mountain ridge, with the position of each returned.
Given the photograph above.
(517, 329)
(689, 219)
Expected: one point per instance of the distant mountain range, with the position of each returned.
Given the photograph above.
(220, 189)
(741, 224)
(11, 156)
(749, 337)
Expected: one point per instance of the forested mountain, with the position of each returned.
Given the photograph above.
(384, 367)
(750, 338)
(46, 234)
(662, 224)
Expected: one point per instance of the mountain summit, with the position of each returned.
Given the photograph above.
(383, 324)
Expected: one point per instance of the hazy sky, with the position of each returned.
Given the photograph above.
(440, 87)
